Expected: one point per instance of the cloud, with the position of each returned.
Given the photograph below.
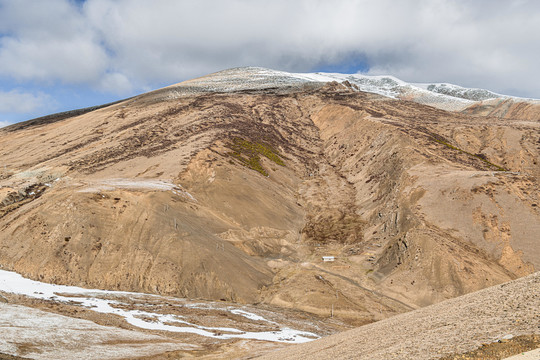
(124, 45)
(48, 41)
(116, 83)
(15, 101)
(4, 123)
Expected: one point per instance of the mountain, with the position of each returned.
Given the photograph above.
(233, 186)
(441, 95)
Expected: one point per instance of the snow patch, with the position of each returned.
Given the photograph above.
(249, 315)
(110, 302)
(135, 184)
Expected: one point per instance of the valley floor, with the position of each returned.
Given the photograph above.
(46, 321)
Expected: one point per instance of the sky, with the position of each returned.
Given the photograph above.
(59, 55)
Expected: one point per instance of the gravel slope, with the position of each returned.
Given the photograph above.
(453, 326)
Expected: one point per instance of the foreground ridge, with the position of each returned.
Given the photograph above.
(450, 327)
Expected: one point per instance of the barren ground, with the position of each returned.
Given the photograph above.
(230, 189)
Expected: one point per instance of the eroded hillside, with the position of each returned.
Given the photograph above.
(237, 196)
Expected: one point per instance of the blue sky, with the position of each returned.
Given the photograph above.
(57, 55)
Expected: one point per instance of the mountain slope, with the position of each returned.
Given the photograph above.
(233, 186)
(451, 327)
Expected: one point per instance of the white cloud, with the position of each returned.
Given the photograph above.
(121, 45)
(4, 123)
(116, 83)
(49, 41)
(15, 101)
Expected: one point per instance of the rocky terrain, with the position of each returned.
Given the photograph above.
(484, 323)
(232, 187)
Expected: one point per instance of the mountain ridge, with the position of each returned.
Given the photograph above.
(236, 195)
(444, 95)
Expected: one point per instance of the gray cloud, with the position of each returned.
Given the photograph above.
(126, 45)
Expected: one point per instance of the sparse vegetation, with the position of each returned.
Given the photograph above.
(248, 153)
(339, 227)
(15, 199)
(482, 157)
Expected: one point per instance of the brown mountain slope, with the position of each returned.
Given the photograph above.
(451, 327)
(507, 108)
(237, 195)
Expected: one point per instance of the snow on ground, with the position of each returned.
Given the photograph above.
(116, 302)
(136, 184)
(395, 88)
(249, 315)
(38, 334)
(441, 95)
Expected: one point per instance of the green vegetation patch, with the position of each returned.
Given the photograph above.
(481, 157)
(248, 153)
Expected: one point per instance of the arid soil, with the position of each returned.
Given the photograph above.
(501, 349)
(237, 195)
(506, 108)
(443, 330)
(11, 357)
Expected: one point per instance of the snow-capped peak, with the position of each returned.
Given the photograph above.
(460, 92)
(442, 95)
